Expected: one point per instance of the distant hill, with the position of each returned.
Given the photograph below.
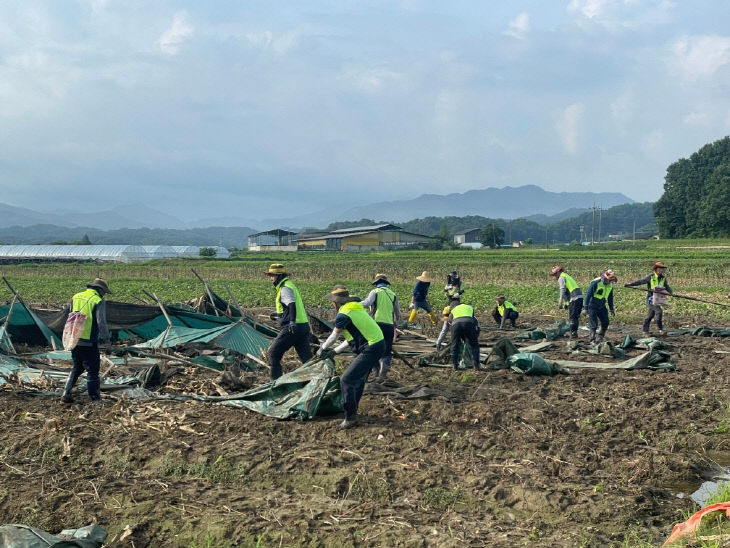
(504, 203)
(615, 220)
(45, 234)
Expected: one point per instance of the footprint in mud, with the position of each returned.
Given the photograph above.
(342, 487)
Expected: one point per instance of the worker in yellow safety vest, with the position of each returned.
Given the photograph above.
(504, 311)
(89, 304)
(293, 321)
(364, 337)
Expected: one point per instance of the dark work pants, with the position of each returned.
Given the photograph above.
(352, 381)
(85, 358)
(596, 315)
(284, 341)
(653, 310)
(388, 330)
(466, 330)
(510, 315)
(574, 315)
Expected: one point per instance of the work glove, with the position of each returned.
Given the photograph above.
(274, 316)
(327, 353)
(438, 347)
(411, 306)
(613, 312)
(292, 327)
(106, 347)
(627, 285)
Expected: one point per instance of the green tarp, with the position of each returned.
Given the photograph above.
(239, 337)
(26, 327)
(311, 390)
(23, 536)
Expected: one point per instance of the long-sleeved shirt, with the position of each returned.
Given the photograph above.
(99, 327)
(647, 281)
(372, 297)
(420, 291)
(590, 302)
(565, 295)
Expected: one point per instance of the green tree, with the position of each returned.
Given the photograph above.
(492, 236)
(696, 189)
(207, 252)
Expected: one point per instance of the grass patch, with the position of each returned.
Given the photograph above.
(370, 488)
(220, 471)
(442, 499)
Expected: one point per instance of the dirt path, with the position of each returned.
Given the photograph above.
(581, 460)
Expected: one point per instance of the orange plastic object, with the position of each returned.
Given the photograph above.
(692, 524)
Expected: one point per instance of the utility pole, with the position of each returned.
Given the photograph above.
(600, 217)
(634, 239)
(593, 225)
(494, 238)
(546, 237)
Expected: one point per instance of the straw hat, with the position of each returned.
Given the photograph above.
(340, 295)
(658, 264)
(556, 270)
(99, 283)
(499, 297)
(380, 278)
(276, 268)
(424, 277)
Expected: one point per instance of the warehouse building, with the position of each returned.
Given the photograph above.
(363, 238)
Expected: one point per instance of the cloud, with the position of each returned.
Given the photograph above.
(654, 145)
(173, 37)
(280, 43)
(623, 108)
(519, 26)
(568, 127)
(624, 14)
(372, 80)
(698, 119)
(591, 9)
(695, 57)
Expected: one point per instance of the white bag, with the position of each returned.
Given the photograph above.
(72, 330)
(660, 296)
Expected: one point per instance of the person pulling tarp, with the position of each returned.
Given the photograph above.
(385, 310)
(293, 321)
(362, 336)
(657, 291)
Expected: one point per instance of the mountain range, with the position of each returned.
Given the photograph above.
(529, 201)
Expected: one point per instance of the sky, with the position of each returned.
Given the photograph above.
(264, 109)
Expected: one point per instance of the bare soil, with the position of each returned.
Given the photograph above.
(590, 459)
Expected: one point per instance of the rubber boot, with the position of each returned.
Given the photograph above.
(66, 397)
(412, 315)
(599, 337)
(592, 337)
(433, 318)
(384, 367)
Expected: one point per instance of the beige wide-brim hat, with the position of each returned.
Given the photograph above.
(380, 278)
(340, 295)
(99, 283)
(424, 277)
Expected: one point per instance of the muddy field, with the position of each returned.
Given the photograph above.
(591, 459)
